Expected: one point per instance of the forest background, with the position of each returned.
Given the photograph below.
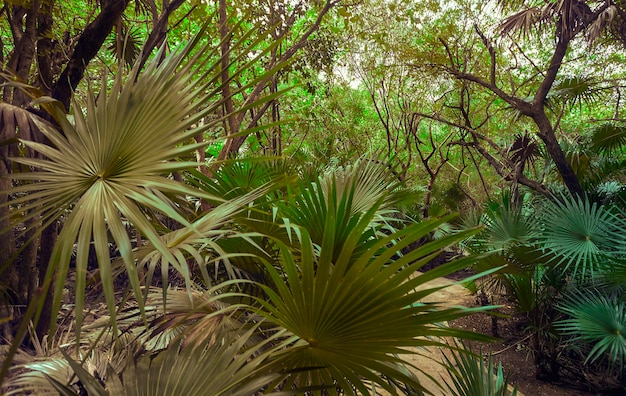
(463, 103)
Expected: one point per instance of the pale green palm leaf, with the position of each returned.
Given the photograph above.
(112, 163)
(223, 367)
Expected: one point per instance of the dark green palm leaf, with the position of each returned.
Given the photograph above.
(583, 236)
(609, 138)
(353, 310)
(597, 319)
(575, 90)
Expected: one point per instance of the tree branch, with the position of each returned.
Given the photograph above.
(86, 49)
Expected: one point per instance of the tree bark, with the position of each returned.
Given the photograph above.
(547, 135)
(536, 109)
(45, 47)
(232, 145)
(86, 49)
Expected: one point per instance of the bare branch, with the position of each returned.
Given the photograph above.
(492, 55)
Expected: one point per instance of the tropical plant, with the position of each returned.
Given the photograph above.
(352, 304)
(339, 314)
(474, 375)
(191, 369)
(107, 171)
(596, 317)
(582, 236)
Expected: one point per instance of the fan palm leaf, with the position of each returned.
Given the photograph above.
(350, 192)
(226, 363)
(111, 165)
(354, 310)
(598, 319)
(609, 138)
(507, 226)
(575, 90)
(472, 376)
(224, 366)
(571, 15)
(581, 235)
(203, 330)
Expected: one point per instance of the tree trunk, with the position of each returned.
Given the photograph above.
(233, 144)
(547, 135)
(159, 31)
(7, 239)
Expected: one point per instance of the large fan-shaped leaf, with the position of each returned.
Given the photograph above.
(353, 310)
(583, 236)
(111, 165)
(609, 138)
(597, 319)
(575, 90)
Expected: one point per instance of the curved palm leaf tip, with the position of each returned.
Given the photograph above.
(111, 164)
(583, 237)
(600, 320)
(353, 305)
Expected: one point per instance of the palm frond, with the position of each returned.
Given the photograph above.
(564, 15)
(104, 170)
(472, 376)
(599, 25)
(198, 241)
(353, 310)
(582, 161)
(597, 319)
(524, 148)
(575, 90)
(342, 197)
(126, 43)
(506, 226)
(523, 21)
(223, 366)
(609, 138)
(16, 122)
(583, 236)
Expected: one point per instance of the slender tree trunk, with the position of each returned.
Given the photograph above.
(233, 123)
(233, 144)
(19, 63)
(48, 239)
(536, 109)
(45, 47)
(7, 239)
(159, 30)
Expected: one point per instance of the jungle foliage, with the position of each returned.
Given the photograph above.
(192, 188)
